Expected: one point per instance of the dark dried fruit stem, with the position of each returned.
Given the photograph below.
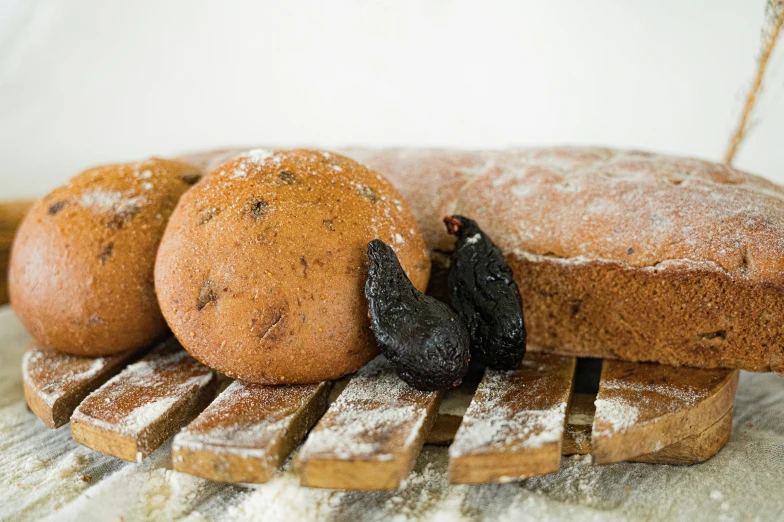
(453, 224)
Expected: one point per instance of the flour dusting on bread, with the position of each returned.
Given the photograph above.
(117, 202)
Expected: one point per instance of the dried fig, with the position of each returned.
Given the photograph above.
(485, 296)
(422, 337)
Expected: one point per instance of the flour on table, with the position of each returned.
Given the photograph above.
(43, 473)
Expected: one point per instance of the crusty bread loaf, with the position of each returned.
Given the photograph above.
(81, 275)
(618, 254)
(262, 269)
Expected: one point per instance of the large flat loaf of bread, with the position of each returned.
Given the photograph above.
(618, 254)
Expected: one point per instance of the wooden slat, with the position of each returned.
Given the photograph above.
(691, 450)
(371, 435)
(248, 432)
(444, 430)
(452, 409)
(138, 409)
(55, 383)
(579, 422)
(643, 408)
(514, 427)
(577, 436)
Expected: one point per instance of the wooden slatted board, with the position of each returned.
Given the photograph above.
(691, 450)
(371, 435)
(138, 409)
(514, 427)
(55, 383)
(644, 408)
(247, 433)
(667, 415)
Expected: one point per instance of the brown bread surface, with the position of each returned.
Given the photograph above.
(618, 254)
(81, 274)
(262, 269)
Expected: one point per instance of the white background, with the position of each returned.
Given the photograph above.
(90, 81)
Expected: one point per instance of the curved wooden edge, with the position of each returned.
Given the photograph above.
(691, 450)
(696, 448)
(643, 408)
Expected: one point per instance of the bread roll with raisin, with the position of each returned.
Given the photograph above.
(81, 274)
(261, 271)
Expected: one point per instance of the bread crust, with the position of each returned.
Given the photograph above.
(620, 254)
(671, 314)
(81, 275)
(623, 254)
(261, 271)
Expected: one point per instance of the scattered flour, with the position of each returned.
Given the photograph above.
(143, 416)
(684, 394)
(217, 428)
(376, 411)
(616, 413)
(253, 156)
(146, 491)
(258, 155)
(493, 419)
(152, 382)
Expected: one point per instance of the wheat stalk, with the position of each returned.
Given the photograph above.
(774, 21)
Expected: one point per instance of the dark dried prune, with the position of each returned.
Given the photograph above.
(422, 338)
(485, 296)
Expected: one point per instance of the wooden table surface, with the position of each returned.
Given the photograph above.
(45, 475)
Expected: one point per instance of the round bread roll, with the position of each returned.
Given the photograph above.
(262, 268)
(81, 276)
